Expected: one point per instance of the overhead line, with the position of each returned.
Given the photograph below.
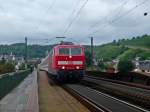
(78, 13)
(74, 9)
(38, 24)
(95, 24)
(72, 13)
(123, 15)
(50, 7)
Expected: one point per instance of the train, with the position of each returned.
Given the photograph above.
(65, 62)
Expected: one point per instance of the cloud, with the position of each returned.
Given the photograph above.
(40, 19)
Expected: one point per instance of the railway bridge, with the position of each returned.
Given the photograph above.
(37, 92)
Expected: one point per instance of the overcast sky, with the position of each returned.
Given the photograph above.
(42, 20)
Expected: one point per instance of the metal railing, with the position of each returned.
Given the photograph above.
(9, 81)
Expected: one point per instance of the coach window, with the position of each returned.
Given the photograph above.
(63, 51)
(76, 51)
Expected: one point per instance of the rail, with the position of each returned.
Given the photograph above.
(132, 94)
(121, 82)
(100, 102)
(85, 101)
(132, 77)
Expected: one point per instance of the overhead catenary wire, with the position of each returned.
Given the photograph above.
(120, 17)
(129, 11)
(43, 41)
(46, 12)
(74, 8)
(76, 16)
(72, 12)
(105, 17)
(44, 15)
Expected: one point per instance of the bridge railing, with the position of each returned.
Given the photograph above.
(9, 81)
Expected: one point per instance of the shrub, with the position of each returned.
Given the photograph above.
(101, 65)
(22, 66)
(125, 66)
(6, 68)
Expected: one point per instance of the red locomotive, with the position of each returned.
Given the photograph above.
(66, 61)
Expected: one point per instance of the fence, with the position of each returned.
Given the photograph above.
(11, 80)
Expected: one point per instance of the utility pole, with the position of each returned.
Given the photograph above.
(92, 50)
(26, 48)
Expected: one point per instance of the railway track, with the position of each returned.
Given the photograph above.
(128, 93)
(120, 82)
(135, 78)
(100, 102)
(97, 101)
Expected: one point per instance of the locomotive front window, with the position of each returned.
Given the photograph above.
(76, 51)
(63, 51)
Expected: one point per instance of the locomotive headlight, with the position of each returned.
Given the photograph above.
(77, 67)
(63, 67)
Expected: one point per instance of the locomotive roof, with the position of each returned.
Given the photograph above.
(68, 46)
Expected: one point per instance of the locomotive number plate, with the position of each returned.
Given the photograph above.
(70, 62)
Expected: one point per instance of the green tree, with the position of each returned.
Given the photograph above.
(125, 66)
